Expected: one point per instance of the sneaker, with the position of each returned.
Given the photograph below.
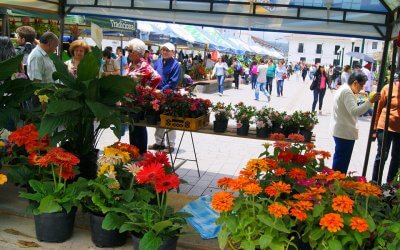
(219, 94)
(155, 146)
(169, 150)
(269, 98)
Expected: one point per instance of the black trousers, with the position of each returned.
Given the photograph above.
(236, 80)
(138, 138)
(319, 95)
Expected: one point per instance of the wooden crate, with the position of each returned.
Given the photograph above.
(179, 123)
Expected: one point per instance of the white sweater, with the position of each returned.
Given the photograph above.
(344, 119)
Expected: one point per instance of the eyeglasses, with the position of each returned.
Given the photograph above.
(165, 49)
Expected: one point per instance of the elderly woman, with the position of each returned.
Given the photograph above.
(141, 70)
(344, 119)
(78, 49)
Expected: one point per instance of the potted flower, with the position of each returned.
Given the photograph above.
(55, 202)
(109, 189)
(153, 225)
(289, 125)
(244, 115)
(222, 114)
(276, 119)
(289, 198)
(307, 120)
(151, 100)
(263, 122)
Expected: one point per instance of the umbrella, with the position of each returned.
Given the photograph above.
(361, 56)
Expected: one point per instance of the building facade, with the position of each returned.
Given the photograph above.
(329, 50)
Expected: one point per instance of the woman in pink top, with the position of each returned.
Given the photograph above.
(320, 88)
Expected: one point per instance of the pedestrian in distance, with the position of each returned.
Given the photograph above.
(319, 86)
(281, 75)
(344, 119)
(220, 70)
(262, 81)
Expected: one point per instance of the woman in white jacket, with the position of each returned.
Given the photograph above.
(344, 117)
(219, 70)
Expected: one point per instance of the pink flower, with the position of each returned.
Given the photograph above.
(361, 179)
(260, 124)
(306, 182)
(239, 125)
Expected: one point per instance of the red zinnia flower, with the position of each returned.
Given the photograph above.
(166, 183)
(150, 173)
(285, 156)
(300, 159)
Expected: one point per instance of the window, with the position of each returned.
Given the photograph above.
(302, 59)
(336, 62)
(374, 45)
(317, 60)
(300, 49)
(319, 49)
(356, 49)
(337, 50)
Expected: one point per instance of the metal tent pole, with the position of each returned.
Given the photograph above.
(389, 102)
(380, 86)
(61, 13)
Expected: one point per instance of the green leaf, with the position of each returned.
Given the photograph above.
(316, 234)
(150, 241)
(89, 67)
(223, 238)
(100, 110)
(371, 223)
(50, 123)
(61, 72)
(128, 227)
(113, 221)
(49, 205)
(60, 106)
(317, 211)
(265, 241)
(160, 226)
(247, 245)
(10, 66)
(347, 239)
(334, 244)
(358, 238)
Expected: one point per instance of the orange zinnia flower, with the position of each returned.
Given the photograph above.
(304, 205)
(304, 197)
(252, 189)
(257, 164)
(222, 201)
(280, 171)
(310, 154)
(277, 136)
(276, 188)
(296, 137)
(348, 184)
(297, 173)
(278, 210)
(247, 173)
(224, 182)
(368, 189)
(310, 146)
(282, 144)
(359, 224)
(300, 215)
(333, 222)
(324, 154)
(337, 175)
(342, 203)
(271, 163)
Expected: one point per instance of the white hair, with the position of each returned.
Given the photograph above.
(137, 45)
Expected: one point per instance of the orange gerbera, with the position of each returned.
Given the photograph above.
(252, 189)
(342, 203)
(276, 188)
(280, 171)
(298, 214)
(296, 137)
(337, 175)
(297, 173)
(359, 224)
(278, 210)
(222, 201)
(332, 221)
(224, 182)
(368, 189)
(304, 205)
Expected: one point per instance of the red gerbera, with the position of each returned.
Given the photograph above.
(166, 183)
(67, 172)
(150, 173)
(33, 158)
(160, 157)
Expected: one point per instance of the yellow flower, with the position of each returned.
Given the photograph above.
(36, 92)
(43, 99)
(3, 179)
(2, 144)
(105, 168)
(114, 152)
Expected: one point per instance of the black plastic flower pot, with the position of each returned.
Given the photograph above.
(55, 227)
(290, 130)
(166, 245)
(152, 119)
(220, 126)
(263, 132)
(307, 134)
(276, 129)
(243, 130)
(136, 117)
(102, 237)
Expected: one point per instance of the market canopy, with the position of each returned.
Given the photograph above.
(356, 18)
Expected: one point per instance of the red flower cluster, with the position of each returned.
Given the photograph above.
(28, 136)
(154, 172)
(64, 161)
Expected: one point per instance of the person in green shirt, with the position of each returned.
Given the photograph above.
(270, 75)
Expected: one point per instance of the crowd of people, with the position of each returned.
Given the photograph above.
(163, 72)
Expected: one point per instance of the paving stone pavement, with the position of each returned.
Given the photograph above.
(221, 156)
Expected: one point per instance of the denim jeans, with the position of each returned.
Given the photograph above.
(253, 81)
(342, 156)
(269, 84)
(393, 139)
(260, 85)
(221, 84)
(279, 87)
(318, 97)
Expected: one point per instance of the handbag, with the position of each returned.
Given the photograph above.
(284, 76)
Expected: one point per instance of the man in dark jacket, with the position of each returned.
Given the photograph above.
(170, 71)
(26, 36)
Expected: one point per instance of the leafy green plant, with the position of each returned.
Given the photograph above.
(222, 111)
(244, 114)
